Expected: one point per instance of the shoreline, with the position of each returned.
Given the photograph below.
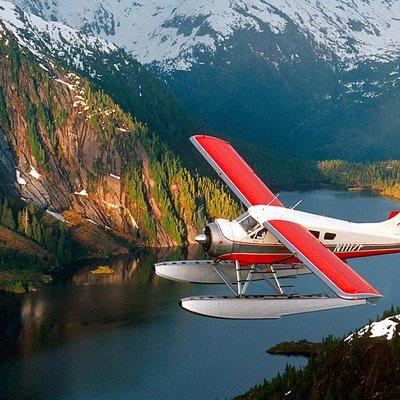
(20, 281)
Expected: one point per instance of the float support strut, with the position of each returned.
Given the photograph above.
(238, 278)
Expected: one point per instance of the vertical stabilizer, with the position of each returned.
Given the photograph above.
(392, 224)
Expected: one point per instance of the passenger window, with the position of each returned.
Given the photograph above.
(259, 235)
(315, 233)
(329, 236)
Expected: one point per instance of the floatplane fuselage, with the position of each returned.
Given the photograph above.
(247, 241)
(270, 242)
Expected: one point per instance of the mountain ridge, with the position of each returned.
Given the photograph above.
(113, 147)
(167, 32)
(304, 78)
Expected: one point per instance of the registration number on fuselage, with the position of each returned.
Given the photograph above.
(347, 247)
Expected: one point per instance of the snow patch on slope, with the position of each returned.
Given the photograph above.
(83, 192)
(33, 172)
(20, 179)
(55, 215)
(385, 328)
(40, 36)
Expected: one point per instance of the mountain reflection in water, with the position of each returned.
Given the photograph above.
(85, 302)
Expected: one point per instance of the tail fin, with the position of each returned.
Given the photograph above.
(393, 222)
(393, 213)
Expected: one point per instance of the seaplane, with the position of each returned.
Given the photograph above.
(273, 243)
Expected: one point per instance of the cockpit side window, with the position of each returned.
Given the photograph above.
(329, 236)
(242, 216)
(248, 223)
(315, 233)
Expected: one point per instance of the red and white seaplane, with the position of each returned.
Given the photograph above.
(270, 242)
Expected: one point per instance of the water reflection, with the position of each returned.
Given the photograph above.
(10, 323)
(132, 295)
(123, 336)
(124, 270)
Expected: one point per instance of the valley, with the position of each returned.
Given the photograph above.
(102, 145)
(98, 181)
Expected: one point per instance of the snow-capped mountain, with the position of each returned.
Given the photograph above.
(110, 67)
(44, 38)
(171, 32)
(305, 77)
(94, 145)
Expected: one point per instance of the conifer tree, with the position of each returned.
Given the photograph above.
(24, 223)
(36, 230)
(7, 216)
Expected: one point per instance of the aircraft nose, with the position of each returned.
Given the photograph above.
(201, 238)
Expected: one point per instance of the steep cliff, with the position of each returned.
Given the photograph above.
(67, 146)
(110, 68)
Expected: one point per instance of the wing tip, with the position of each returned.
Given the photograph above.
(194, 138)
(369, 294)
(372, 297)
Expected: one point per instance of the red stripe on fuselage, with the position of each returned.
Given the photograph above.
(284, 258)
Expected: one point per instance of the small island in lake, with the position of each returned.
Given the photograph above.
(102, 270)
(298, 348)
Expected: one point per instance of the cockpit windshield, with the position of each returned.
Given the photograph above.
(247, 222)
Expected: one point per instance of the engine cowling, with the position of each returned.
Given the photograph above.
(214, 242)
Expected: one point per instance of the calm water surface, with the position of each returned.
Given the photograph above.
(123, 336)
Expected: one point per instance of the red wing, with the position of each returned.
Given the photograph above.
(235, 172)
(343, 280)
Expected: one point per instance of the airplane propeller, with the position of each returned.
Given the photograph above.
(202, 238)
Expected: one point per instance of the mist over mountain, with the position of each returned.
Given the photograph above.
(304, 78)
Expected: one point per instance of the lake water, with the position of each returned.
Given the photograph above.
(123, 336)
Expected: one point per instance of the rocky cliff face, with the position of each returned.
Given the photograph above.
(56, 172)
(7, 163)
(109, 67)
(67, 146)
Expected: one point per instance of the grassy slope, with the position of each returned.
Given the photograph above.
(11, 240)
(96, 242)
